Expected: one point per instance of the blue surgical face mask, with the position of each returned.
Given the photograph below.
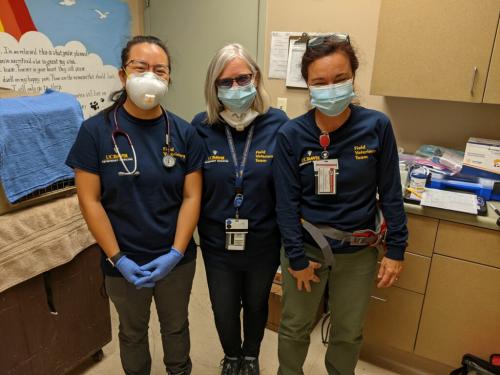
(333, 99)
(237, 99)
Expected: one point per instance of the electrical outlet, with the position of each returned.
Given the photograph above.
(281, 104)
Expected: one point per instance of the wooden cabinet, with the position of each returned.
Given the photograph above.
(438, 50)
(446, 302)
(469, 243)
(422, 234)
(393, 316)
(492, 92)
(415, 273)
(461, 311)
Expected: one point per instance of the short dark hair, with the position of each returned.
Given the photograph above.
(327, 47)
(119, 97)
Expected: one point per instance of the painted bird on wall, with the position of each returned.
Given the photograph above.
(102, 15)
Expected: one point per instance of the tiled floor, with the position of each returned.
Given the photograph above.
(205, 348)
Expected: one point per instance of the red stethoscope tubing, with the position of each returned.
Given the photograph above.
(118, 131)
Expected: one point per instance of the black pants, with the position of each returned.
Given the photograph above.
(231, 290)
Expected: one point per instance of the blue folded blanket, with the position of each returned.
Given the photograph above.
(36, 134)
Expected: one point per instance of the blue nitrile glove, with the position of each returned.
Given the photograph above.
(160, 267)
(130, 270)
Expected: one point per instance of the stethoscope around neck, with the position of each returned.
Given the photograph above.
(168, 159)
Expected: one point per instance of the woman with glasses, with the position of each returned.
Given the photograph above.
(138, 179)
(239, 235)
(330, 164)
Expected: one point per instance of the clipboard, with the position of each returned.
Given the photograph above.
(296, 47)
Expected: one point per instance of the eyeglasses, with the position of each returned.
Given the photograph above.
(241, 80)
(319, 40)
(140, 66)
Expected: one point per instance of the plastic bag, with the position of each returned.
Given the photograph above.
(449, 158)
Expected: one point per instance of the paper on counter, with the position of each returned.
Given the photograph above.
(450, 200)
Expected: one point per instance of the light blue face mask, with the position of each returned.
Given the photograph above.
(237, 99)
(333, 99)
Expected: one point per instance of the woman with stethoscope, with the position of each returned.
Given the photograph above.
(138, 178)
(239, 235)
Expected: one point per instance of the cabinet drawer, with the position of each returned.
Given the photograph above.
(468, 243)
(392, 318)
(415, 272)
(422, 234)
(461, 310)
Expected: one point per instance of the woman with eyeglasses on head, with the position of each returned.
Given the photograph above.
(239, 235)
(330, 164)
(138, 179)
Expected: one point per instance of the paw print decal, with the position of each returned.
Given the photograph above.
(95, 105)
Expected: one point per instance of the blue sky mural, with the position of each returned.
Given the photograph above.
(103, 26)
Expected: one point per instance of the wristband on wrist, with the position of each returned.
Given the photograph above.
(115, 258)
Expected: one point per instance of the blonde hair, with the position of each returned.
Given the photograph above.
(225, 55)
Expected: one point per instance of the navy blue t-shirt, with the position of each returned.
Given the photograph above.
(368, 163)
(263, 239)
(142, 209)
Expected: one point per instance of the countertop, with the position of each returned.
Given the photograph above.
(488, 222)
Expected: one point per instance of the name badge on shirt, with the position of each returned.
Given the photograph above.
(325, 176)
(236, 232)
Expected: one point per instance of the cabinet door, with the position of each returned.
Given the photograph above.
(392, 318)
(468, 243)
(461, 311)
(492, 93)
(421, 234)
(430, 49)
(415, 272)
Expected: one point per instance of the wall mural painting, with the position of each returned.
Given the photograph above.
(68, 45)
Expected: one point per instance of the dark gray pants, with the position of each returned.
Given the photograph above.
(134, 306)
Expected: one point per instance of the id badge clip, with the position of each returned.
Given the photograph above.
(325, 176)
(236, 232)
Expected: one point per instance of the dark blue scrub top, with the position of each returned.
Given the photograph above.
(142, 209)
(263, 240)
(366, 150)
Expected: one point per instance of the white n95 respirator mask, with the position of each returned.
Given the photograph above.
(146, 89)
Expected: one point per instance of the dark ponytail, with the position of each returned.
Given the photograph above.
(119, 97)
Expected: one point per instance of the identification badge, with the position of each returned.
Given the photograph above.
(236, 232)
(325, 176)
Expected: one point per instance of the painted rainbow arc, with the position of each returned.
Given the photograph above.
(15, 18)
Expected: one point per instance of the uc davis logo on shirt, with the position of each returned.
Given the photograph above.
(362, 153)
(308, 158)
(261, 156)
(216, 158)
(113, 158)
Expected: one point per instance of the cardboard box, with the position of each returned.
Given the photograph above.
(482, 158)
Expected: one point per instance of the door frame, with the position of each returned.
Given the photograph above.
(261, 28)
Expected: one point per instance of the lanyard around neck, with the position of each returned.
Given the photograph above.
(239, 168)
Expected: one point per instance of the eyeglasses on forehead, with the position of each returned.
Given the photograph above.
(319, 40)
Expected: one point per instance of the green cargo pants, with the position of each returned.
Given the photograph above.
(350, 283)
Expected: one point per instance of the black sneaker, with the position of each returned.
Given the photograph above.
(230, 366)
(250, 366)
